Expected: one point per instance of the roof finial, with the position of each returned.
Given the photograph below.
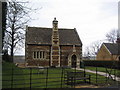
(55, 21)
(54, 18)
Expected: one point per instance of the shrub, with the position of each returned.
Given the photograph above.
(96, 63)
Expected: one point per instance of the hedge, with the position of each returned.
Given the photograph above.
(96, 63)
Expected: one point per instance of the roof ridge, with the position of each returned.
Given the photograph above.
(40, 27)
(51, 28)
(112, 48)
(111, 43)
(66, 28)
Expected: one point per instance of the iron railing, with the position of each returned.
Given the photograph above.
(45, 78)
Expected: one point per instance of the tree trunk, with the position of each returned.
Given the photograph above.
(12, 44)
(12, 53)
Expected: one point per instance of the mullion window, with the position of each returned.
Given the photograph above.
(39, 54)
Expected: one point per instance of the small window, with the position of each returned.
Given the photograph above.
(43, 54)
(37, 54)
(40, 54)
(34, 54)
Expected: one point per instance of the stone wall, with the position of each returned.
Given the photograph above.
(39, 62)
(104, 54)
(66, 53)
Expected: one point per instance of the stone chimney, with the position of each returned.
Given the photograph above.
(55, 57)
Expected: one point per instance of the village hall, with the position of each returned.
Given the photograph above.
(54, 46)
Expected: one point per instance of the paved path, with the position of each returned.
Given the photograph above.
(100, 73)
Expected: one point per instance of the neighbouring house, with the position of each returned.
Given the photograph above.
(109, 51)
(52, 46)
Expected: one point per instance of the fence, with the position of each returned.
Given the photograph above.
(43, 78)
(104, 76)
(34, 78)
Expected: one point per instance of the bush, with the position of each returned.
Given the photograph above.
(96, 63)
(6, 57)
(52, 66)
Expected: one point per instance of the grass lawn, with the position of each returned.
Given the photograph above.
(36, 78)
(7, 75)
(21, 77)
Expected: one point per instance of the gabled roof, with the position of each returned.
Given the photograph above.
(40, 35)
(113, 48)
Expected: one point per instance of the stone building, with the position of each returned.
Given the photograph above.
(52, 46)
(109, 51)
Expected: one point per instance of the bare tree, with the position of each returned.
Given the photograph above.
(17, 17)
(112, 36)
(95, 46)
(93, 49)
(4, 11)
(87, 53)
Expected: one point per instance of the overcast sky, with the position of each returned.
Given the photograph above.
(92, 18)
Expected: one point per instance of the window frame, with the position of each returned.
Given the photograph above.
(39, 55)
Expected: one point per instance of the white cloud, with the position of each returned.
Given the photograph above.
(92, 18)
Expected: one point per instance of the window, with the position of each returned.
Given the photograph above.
(39, 54)
(119, 58)
(34, 54)
(43, 54)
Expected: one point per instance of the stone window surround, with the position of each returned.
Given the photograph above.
(39, 55)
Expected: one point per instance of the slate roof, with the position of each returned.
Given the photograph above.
(114, 48)
(40, 35)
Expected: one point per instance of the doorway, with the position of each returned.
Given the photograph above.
(73, 60)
